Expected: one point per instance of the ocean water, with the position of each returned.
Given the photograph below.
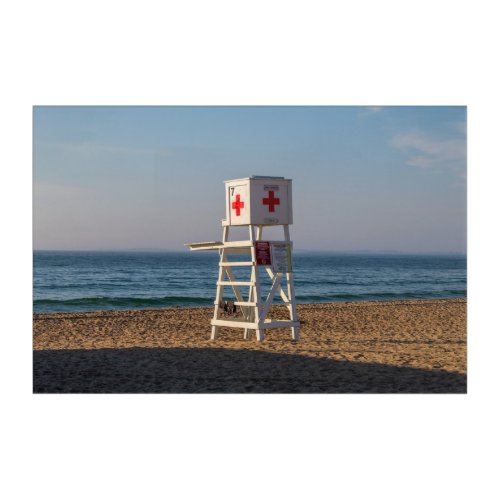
(88, 281)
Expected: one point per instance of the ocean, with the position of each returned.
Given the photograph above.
(89, 281)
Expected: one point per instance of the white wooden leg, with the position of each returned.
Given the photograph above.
(215, 331)
(256, 291)
(220, 289)
(292, 307)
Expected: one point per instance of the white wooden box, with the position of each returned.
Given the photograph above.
(258, 200)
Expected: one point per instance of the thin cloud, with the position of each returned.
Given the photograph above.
(374, 109)
(460, 126)
(369, 110)
(430, 152)
(95, 148)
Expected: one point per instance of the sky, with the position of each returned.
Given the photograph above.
(365, 178)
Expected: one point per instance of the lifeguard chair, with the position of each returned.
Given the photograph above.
(256, 202)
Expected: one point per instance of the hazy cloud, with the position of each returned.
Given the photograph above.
(433, 153)
(460, 127)
(94, 148)
(369, 110)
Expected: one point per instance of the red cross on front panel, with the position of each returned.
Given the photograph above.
(271, 201)
(238, 205)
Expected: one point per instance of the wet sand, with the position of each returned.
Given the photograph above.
(414, 346)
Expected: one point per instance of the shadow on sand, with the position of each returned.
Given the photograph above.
(215, 370)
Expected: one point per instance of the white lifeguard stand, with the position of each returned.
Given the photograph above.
(256, 202)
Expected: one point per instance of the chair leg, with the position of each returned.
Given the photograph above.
(215, 331)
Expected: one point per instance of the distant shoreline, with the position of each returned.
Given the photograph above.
(211, 307)
(296, 250)
(101, 312)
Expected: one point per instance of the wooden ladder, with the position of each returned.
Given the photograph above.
(254, 309)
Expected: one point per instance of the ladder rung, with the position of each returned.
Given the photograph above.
(237, 283)
(228, 264)
(240, 303)
(237, 244)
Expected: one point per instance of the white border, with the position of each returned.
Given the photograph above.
(221, 52)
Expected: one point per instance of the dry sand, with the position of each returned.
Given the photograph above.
(413, 346)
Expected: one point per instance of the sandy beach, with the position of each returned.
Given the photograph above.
(411, 346)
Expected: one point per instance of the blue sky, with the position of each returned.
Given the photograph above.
(364, 178)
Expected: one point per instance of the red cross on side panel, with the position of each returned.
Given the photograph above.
(238, 205)
(271, 201)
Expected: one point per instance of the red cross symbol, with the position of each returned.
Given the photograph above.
(271, 201)
(238, 204)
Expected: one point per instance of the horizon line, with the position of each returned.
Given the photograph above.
(364, 251)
